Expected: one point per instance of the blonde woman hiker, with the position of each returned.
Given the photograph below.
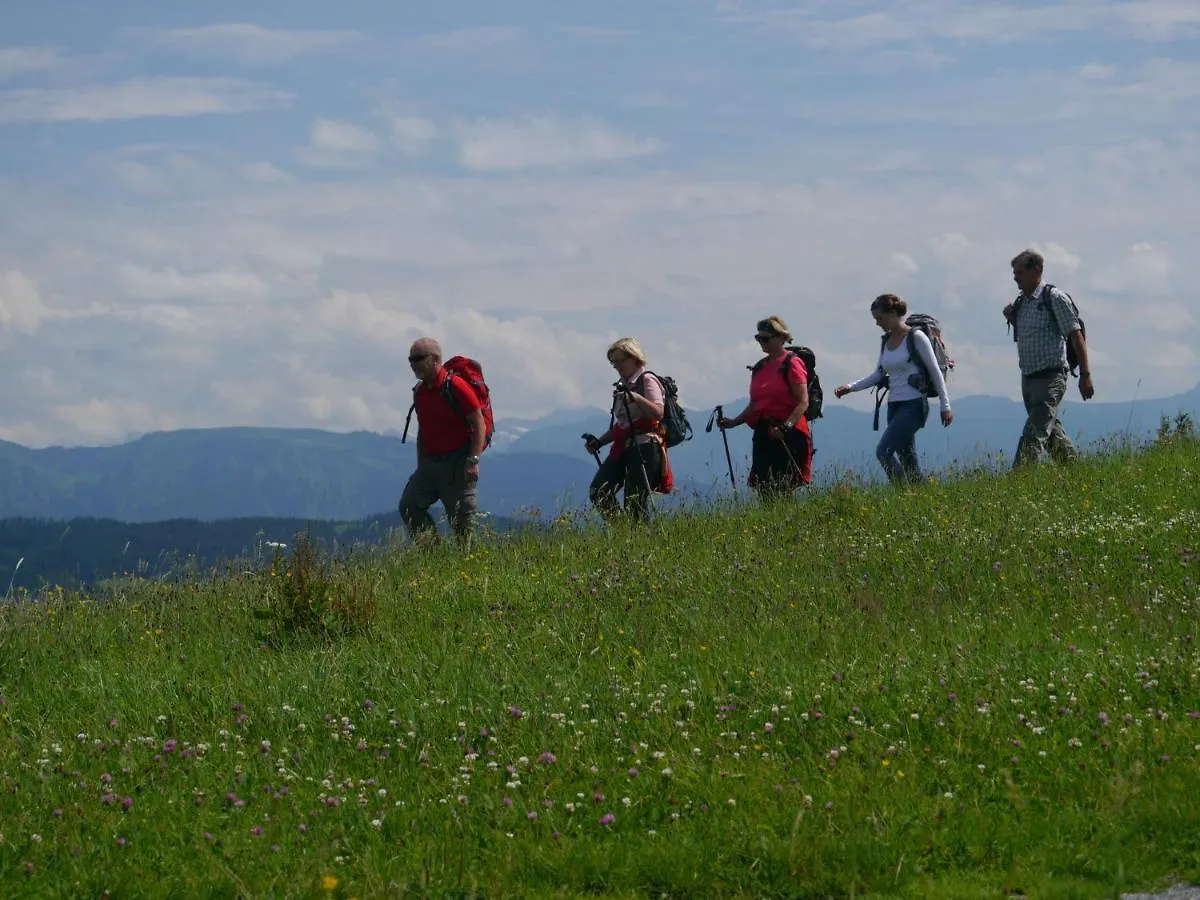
(637, 462)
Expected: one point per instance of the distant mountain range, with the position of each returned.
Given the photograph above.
(208, 495)
(535, 469)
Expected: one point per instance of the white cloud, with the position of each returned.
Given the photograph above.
(138, 98)
(502, 144)
(336, 144)
(22, 60)
(412, 134)
(860, 25)
(264, 172)
(226, 287)
(472, 40)
(245, 42)
(1097, 71)
(21, 306)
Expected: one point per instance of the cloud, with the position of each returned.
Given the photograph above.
(502, 144)
(335, 144)
(22, 60)
(472, 40)
(222, 287)
(138, 98)
(860, 25)
(412, 134)
(21, 306)
(263, 172)
(245, 42)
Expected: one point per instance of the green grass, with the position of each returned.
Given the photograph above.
(982, 688)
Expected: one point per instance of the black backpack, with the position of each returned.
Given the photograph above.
(816, 396)
(1072, 356)
(675, 421)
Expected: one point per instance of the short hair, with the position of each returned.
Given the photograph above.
(1029, 260)
(629, 346)
(427, 345)
(774, 326)
(890, 304)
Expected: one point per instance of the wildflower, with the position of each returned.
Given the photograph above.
(531, 816)
(328, 883)
(555, 836)
(264, 747)
(515, 712)
(607, 819)
(127, 802)
(507, 801)
(169, 745)
(1103, 718)
(633, 772)
(106, 778)
(598, 797)
(768, 728)
(256, 831)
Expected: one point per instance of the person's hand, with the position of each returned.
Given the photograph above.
(947, 417)
(1086, 389)
(724, 423)
(841, 390)
(472, 471)
(774, 432)
(592, 446)
(1008, 312)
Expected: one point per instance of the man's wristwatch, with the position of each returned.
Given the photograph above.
(472, 460)
(1085, 374)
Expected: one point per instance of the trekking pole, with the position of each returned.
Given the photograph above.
(634, 446)
(717, 415)
(596, 453)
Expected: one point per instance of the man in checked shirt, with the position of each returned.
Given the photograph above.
(1043, 320)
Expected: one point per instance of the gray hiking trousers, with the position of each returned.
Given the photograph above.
(439, 478)
(1043, 394)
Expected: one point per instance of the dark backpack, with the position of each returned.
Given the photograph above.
(1072, 356)
(471, 372)
(816, 397)
(675, 421)
(921, 380)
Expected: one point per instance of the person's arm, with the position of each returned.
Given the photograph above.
(1086, 389)
(653, 400)
(800, 395)
(861, 385)
(925, 351)
(739, 419)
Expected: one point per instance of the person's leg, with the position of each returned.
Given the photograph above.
(917, 414)
(1061, 448)
(419, 494)
(459, 496)
(1042, 408)
(637, 494)
(603, 490)
(890, 441)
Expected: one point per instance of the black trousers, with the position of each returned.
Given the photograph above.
(625, 472)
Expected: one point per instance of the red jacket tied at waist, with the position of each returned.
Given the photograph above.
(645, 426)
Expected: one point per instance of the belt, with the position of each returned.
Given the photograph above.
(1048, 372)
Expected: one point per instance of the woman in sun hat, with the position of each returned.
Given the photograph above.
(781, 456)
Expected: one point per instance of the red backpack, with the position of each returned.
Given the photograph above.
(470, 371)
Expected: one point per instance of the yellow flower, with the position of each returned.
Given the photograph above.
(328, 882)
(885, 763)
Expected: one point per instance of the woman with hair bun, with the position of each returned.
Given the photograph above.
(908, 408)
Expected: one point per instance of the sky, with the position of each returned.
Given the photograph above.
(244, 213)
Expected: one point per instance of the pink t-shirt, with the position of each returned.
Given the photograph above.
(771, 395)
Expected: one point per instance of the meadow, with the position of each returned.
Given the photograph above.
(987, 686)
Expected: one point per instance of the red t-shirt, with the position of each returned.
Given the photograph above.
(441, 428)
(771, 395)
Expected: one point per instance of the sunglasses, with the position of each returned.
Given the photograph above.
(763, 338)
(616, 362)
(413, 360)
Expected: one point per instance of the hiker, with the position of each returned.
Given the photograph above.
(1044, 319)
(451, 435)
(906, 362)
(781, 451)
(638, 460)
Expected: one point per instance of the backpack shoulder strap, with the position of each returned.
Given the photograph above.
(787, 362)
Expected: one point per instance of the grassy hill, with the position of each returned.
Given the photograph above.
(984, 687)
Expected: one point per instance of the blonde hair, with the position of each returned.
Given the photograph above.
(774, 326)
(629, 346)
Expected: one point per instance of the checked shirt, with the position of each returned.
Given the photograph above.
(1041, 344)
